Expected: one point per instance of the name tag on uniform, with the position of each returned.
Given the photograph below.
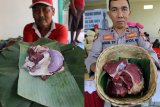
(108, 37)
(131, 35)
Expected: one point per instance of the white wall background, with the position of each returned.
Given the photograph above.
(14, 15)
(149, 18)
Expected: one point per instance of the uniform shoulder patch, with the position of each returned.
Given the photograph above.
(131, 35)
(108, 37)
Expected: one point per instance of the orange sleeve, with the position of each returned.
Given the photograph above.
(27, 34)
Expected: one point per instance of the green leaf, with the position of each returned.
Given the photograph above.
(9, 77)
(10, 56)
(9, 70)
(74, 57)
(103, 80)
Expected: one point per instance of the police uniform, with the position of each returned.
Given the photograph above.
(110, 37)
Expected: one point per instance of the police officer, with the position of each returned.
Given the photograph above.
(120, 33)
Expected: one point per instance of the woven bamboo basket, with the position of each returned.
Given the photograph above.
(126, 51)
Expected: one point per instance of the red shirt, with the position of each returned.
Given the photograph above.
(59, 33)
(79, 4)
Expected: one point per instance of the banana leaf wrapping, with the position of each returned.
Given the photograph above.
(9, 72)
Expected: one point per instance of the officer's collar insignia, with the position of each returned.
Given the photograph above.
(108, 37)
(131, 35)
(111, 29)
(127, 30)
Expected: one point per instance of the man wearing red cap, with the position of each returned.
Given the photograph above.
(76, 9)
(44, 26)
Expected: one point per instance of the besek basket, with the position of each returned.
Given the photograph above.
(125, 51)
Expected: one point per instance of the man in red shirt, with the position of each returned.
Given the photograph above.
(76, 9)
(44, 26)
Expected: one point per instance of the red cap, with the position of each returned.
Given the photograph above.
(47, 2)
(96, 26)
